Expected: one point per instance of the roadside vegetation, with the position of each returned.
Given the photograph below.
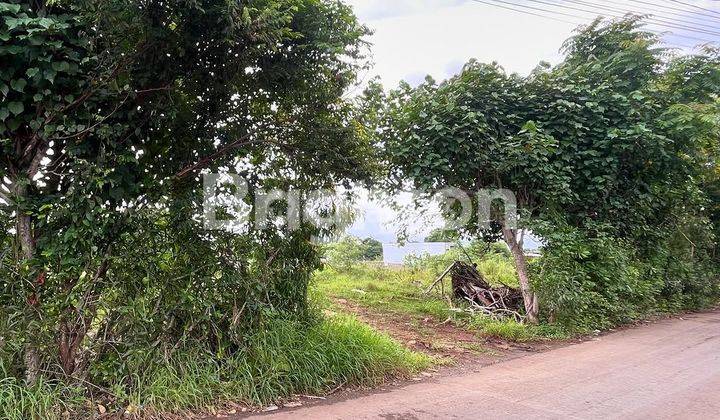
(116, 298)
(403, 291)
(612, 158)
(284, 358)
(382, 291)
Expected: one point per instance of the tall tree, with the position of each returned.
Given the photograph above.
(110, 111)
(591, 142)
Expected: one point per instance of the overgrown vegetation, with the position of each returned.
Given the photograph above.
(113, 292)
(612, 156)
(111, 288)
(388, 291)
(284, 357)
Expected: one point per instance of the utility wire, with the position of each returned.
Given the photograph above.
(662, 22)
(526, 12)
(695, 6)
(697, 15)
(530, 10)
(625, 11)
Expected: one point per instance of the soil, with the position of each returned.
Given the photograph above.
(459, 348)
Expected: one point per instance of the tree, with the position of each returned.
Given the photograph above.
(592, 142)
(373, 249)
(346, 252)
(442, 235)
(110, 112)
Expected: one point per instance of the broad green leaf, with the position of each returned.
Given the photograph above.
(60, 65)
(9, 7)
(18, 84)
(50, 74)
(16, 107)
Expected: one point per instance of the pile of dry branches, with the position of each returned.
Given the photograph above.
(468, 284)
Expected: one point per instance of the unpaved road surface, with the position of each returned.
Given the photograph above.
(666, 370)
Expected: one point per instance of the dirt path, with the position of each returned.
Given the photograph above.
(670, 369)
(465, 349)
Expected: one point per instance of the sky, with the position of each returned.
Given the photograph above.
(415, 38)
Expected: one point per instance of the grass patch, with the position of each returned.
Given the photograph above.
(511, 330)
(402, 291)
(44, 400)
(286, 357)
(396, 290)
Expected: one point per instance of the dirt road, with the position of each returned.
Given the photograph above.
(670, 369)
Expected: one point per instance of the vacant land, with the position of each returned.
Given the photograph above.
(394, 300)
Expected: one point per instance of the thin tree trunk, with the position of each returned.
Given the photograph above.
(27, 245)
(532, 307)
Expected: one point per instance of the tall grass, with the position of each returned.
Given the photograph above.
(44, 400)
(283, 358)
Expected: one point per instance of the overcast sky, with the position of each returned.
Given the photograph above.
(414, 38)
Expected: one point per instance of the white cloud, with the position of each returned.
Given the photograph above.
(371, 10)
(437, 40)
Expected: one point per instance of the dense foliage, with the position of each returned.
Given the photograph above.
(110, 112)
(613, 151)
(350, 250)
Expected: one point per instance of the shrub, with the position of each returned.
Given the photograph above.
(286, 357)
(597, 282)
(342, 255)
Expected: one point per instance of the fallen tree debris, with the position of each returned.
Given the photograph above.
(468, 284)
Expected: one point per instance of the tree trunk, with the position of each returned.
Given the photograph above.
(27, 245)
(532, 306)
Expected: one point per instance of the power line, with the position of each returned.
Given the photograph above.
(711, 18)
(695, 6)
(523, 8)
(625, 11)
(525, 11)
(662, 22)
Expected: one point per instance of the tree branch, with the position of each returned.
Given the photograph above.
(208, 160)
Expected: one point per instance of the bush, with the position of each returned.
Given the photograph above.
(285, 357)
(588, 283)
(342, 255)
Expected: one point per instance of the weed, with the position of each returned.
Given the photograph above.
(283, 358)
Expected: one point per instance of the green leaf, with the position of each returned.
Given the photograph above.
(4, 113)
(8, 7)
(50, 74)
(13, 123)
(530, 127)
(60, 65)
(18, 84)
(45, 22)
(16, 107)
(32, 71)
